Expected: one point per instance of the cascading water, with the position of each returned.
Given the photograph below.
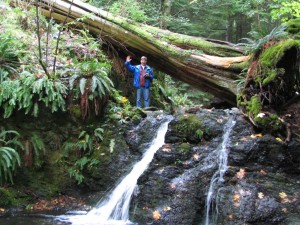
(114, 209)
(218, 176)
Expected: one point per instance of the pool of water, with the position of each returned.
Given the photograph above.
(30, 220)
(70, 218)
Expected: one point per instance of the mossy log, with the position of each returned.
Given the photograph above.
(210, 65)
(271, 92)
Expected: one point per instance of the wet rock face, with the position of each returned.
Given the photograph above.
(261, 185)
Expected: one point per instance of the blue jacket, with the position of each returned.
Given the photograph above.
(136, 70)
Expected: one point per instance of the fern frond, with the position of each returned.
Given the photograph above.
(98, 133)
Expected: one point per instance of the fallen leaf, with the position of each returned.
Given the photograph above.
(156, 215)
(172, 186)
(262, 172)
(166, 149)
(236, 198)
(284, 210)
(244, 139)
(284, 198)
(196, 156)
(167, 208)
(219, 120)
(256, 135)
(230, 217)
(282, 195)
(279, 139)
(241, 174)
(261, 195)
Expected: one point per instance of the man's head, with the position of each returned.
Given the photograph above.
(143, 60)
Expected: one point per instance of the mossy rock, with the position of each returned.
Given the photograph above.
(184, 148)
(7, 198)
(189, 128)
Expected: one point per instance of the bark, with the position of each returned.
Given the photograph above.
(209, 65)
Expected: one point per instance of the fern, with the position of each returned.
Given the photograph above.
(256, 44)
(3, 75)
(38, 147)
(98, 133)
(76, 174)
(79, 167)
(8, 59)
(9, 157)
(82, 162)
(28, 92)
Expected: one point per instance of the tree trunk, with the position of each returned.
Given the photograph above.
(210, 65)
(165, 11)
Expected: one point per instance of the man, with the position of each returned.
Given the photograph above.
(142, 78)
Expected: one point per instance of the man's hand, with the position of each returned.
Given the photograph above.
(128, 58)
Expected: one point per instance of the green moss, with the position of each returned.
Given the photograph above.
(272, 55)
(271, 76)
(7, 198)
(75, 111)
(293, 26)
(254, 106)
(164, 40)
(188, 125)
(240, 66)
(184, 148)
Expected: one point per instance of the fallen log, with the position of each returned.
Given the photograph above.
(210, 65)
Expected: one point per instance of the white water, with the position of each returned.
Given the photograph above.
(114, 210)
(218, 176)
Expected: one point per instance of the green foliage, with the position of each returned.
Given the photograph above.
(255, 45)
(7, 197)
(120, 109)
(254, 106)
(98, 133)
(184, 148)
(83, 147)
(89, 82)
(77, 175)
(269, 122)
(27, 91)
(176, 93)
(9, 156)
(189, 126)
(8, 58)
(129, 9)
(85, 142)
(36, 147)
(272, 55)
(294, 27)
(80, 165)
(285, 10)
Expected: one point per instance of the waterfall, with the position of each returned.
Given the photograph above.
(114, 209)
(218, 176)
